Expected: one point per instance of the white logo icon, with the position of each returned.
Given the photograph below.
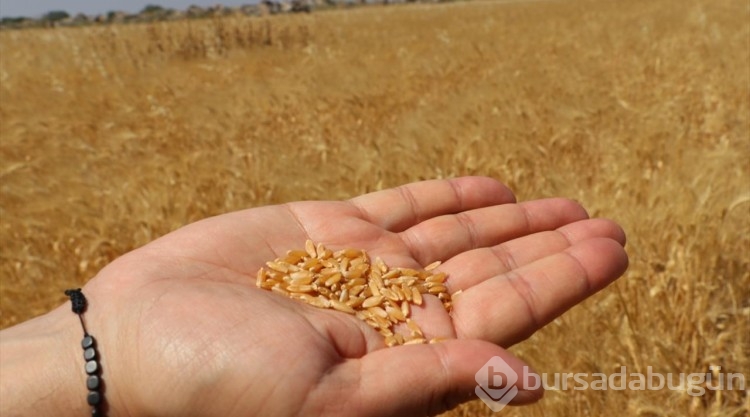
(496, 381)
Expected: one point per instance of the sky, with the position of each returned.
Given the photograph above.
(36, 8)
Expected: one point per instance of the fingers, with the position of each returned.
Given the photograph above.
(421, 380)
(443, 237)
(474, 267)
(399, 208)
(510, 307)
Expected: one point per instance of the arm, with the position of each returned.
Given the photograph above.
(42, 367)
(183, 330)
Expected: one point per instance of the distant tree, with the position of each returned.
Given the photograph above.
(55, 15)
(11, 20)
(152, 8)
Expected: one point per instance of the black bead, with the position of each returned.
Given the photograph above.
(92, 382)
(94, 397)
(89, 354)
(96, 412)
(77, 300)
(91, 367)
(87, 342)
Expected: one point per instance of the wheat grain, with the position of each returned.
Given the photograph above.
(405, 309)
(310, 249)
(416, 296)
(378, 312)
(433, 265)
(439, 278)
(437, 289)
(338, 305)
(346, 281)
(395, 314)
(372, 301)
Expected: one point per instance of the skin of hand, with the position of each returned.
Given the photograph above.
(183, 330)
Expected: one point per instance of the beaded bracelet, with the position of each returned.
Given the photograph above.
(95, 396)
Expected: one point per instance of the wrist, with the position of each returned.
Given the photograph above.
(42, 367)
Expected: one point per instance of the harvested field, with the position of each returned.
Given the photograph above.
(113, 136)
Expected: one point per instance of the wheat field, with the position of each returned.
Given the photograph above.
(112, 136)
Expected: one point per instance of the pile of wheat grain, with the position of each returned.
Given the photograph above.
(347, 281)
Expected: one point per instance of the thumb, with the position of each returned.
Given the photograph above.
(416, 380)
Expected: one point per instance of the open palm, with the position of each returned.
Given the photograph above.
(184, 330)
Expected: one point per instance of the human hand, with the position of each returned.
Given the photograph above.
(183, 330)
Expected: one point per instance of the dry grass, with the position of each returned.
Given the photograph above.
(640, 110)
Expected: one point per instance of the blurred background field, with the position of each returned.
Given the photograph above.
(112, 136)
